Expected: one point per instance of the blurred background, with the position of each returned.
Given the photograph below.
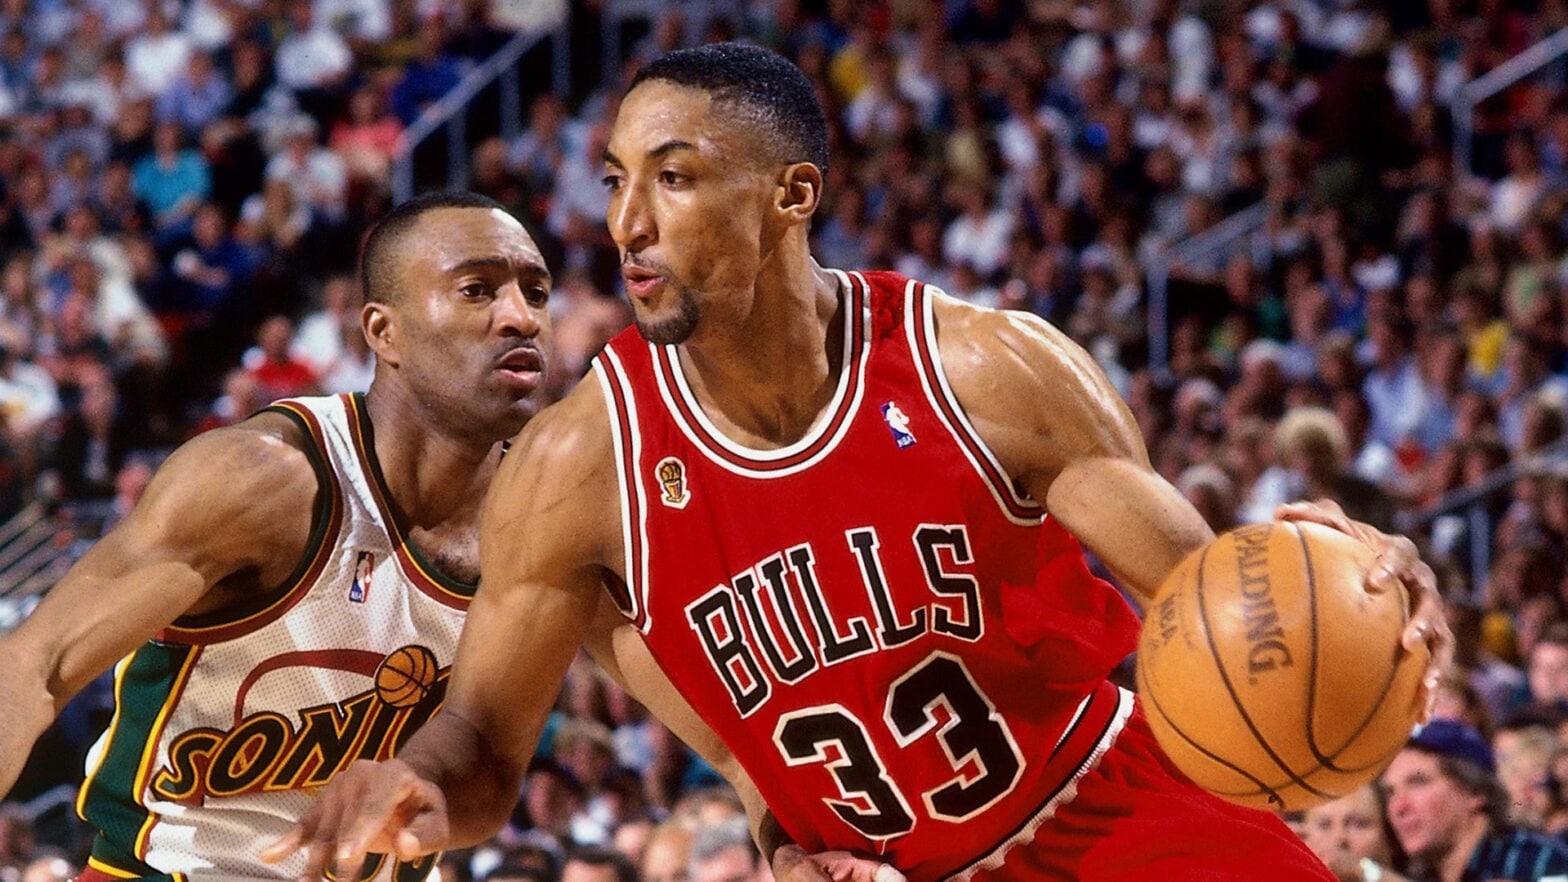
(1319, 246)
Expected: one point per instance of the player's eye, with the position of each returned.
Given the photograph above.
(475, 290)
(612, 182)
(672, 179)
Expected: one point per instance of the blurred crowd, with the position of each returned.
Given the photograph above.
(183, 185)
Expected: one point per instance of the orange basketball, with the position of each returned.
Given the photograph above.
(1270, 675)
(406, 675)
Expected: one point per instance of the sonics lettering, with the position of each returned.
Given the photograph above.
(754, 633)
(265, 751)
(1266, 648)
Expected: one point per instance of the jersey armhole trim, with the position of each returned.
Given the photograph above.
(326, 520)
(920, 323)
(621, 409)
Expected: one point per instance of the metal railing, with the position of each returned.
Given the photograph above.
(1471, 94)
(32, 558)
(1157, 274)
(450, 112)
(1474, 504)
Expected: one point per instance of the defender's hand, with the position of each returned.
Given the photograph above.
(791, 863)
(371, 807)
(1398, 565)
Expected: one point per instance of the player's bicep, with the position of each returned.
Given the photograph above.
(1061, 430)
(218, 505)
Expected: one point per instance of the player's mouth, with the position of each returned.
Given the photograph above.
(641, 283)
(521, 368)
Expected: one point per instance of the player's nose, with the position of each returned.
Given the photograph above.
(630, 221)
(513, 316)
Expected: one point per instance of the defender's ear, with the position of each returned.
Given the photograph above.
(799, 192)
(377, 322)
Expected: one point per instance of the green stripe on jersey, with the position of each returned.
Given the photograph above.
(109, 798)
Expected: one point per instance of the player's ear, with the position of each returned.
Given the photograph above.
(376, 323)
(799, 192)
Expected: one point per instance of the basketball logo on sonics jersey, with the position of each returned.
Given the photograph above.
(898, 424)
(671, 473)
(266, 751)
(364, 569)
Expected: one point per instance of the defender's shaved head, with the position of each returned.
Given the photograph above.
(377, 265)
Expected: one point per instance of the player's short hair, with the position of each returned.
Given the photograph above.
(761, 86)
(378, 277)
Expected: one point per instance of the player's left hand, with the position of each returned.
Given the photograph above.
(791, 863)
(1397, 565)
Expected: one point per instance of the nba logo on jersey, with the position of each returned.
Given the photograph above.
(671, 473)
(898, 424)
(363, 567)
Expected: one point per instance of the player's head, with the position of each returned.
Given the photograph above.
(455, 310)
(715, 166)
(1441, 788)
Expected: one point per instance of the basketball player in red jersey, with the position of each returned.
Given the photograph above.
(826, 525)
(287, 595)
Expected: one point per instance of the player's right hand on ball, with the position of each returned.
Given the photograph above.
(385, 808)
(791, 863)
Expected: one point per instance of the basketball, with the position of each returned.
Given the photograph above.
(406, 675)
(1270, 675)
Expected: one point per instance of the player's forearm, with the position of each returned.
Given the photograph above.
(479, 783)
(29, 709)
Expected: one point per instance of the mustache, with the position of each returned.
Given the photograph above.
(651, 266)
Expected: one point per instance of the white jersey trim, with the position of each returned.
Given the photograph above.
(934, 382)
(861, 298)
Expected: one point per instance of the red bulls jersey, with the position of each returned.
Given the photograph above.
(905, 653)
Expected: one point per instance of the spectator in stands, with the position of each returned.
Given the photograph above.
(724, 852)
(542, 147)
(173, 179)
(93, 442)
(367, 137)
(197, 96)
(597, 865)
(429, 75)
(667, 856)
(1548, 668)
(313, 61)
(158, 54)
(318, 176)
(1447, 810)
(29, 398)
(1524, 746)
(277, 373)
(213, 267)
(1351, 835)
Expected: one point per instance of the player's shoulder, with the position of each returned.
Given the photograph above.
(243, 466)
(1036, 397)
(564, 445)
(1002, 340)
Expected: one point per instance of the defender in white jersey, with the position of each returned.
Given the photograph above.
(287, 597)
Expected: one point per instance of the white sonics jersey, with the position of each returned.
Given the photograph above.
(225, 727)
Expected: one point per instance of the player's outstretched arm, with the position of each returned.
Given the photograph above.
(455, 781)
(228, 514)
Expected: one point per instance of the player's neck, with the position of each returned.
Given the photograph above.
(766, 375)
(432, 474)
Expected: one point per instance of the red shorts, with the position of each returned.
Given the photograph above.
(1136, 817)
